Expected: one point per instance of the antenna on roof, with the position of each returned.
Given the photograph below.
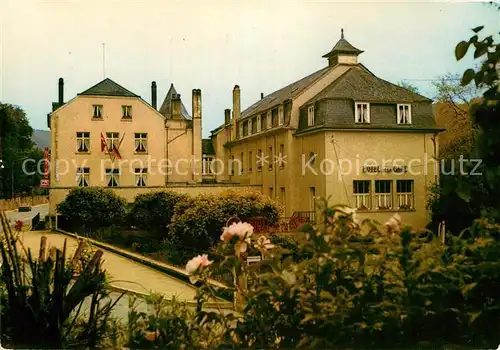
(103, 61)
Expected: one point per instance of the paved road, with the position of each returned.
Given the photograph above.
(26, 217)
(123, 272)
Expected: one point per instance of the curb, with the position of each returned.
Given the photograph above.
(206, 305)
(171, 271)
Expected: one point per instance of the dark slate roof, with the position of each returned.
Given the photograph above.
(207, 147)
(343, 46)
(165, 108)
(278, 97)
(108, 87)
(359, 84)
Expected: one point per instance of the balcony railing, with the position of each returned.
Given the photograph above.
(284, 224)
(405, 200)
(362, 201)
(383, 200)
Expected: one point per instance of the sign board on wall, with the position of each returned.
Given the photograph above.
(44, 183)
(378, 169)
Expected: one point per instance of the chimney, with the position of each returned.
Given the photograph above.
(197, 147)
(61, 91)
(261, 95)
(236, 109)
(153, 94)
(227, 116)
(176, 106)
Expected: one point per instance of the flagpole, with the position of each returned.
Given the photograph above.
(103, 61)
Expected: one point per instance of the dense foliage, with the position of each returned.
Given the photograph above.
(42, 296)
(154, 211)
(198, 220)
(87, 209)
(462, 197)
(16, 145)
(363, 286)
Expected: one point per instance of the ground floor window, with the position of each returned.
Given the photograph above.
(113, 177)
(383, 195)
(141, 175)
(404, 194)
(82, 177)
(312, 198)
(362, 194)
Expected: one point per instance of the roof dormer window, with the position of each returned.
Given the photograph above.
(404, 114)
(281, 115)
(310, 115)
(362, 112)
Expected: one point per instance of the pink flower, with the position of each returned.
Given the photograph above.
(19, 225)
(263, 243)
(194, 264)
(393, 225)
(241, 229)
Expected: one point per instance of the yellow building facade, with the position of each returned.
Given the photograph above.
(107, 136)
(340, 133)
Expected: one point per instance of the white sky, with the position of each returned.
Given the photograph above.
(214, 44)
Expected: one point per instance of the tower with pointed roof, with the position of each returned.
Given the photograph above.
(172, 106)
(343, 52)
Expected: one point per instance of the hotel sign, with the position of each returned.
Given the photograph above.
(378, 169)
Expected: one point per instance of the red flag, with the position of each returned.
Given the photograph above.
(116, 153)
(103, 143)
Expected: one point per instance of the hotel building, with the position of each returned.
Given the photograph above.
(340, 133)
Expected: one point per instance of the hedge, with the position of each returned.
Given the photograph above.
(198, 221)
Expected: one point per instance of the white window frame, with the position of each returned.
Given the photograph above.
(405, 200)
(82, 177)
(310, 115)
(82, 142)
(141, 177)
(281, 115)
(208, 163)
(356, 113)
(269, 120)
(97, 111)
(384, 200)
(141, 142)
(258, 123)
(112, 138)
(113, 174)
(249, 126)
(126, 112)
(362, 200)
(281, 157)
(400, 107)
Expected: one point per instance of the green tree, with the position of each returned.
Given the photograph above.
(15, 144)
(154, 211)
(408, 86)
(453, 102)
(485, 115)
(87, 209)
(461, 198)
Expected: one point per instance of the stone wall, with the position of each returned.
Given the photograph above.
(12, 204)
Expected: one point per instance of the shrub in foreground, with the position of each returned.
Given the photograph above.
(43, 298)
(154, 211)
(87, 209)
(363, 287)
(197, 221)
